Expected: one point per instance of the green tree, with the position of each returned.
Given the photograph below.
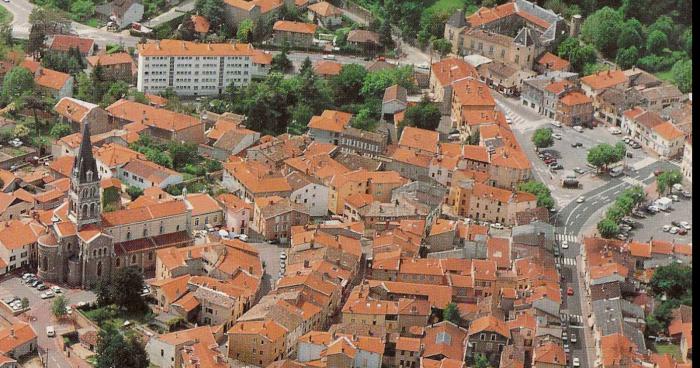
(657, 41)
(186, 31)
(630, 35)
(301, 114)
(442, 46)
(17, 82)
(674, 280)
(581, 57)
(281, 63)
(567, 46)
(666, 180)
(480, 361)
(183, 154)
(213, 10)
(604, 154)
(682, 73)
(125, 289)
(376, 82)
(364, 120)
(542, 138)
(687, 40)
(115, 350)
(626, 58)
(543, 194)
(25, 303)
(134, 192)
(602, 29)
(306, 67)
(116, 91)
(346, 86)
(424, 115)
(82, 9)
(101, 290)
(451, 313)
(245, 31)
(20, 131)
(59, 307)
(385, 36)
(607, 228)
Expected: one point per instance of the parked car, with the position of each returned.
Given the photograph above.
(497, 226)
(42, 287)
(682, 231)
(580, 199)
(638, 214)
(686, 225)
(674, 230)
(565, 245)
(675, 198)
(556, 136)
(579, 170)
(567, 350)
(578, 128)
(576, 362)
(329, 57)
(666, 228)
(56, 289)
(686, 194)
(621, 236)
(576, 144)
(557, 166)
(653, 209)
(570, 291)
(556, 124)
(676, 223)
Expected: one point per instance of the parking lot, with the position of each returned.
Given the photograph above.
(651, 226)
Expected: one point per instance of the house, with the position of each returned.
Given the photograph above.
(122, 12)
(479, 201)
(363, 39)
(575, 108)
(487, 336)
(116, 66)
(394, 100)
(363, 142)
(63, 43)
(255, 10)
(309, 192)
(533, 91)
(165, 350)
(76, 112)
(293, 33)
(653, 132)
(14, 205)
(327, 127)
(519, 51)
(144, 174)
(419, 140)
(549, 355)
(227, 138)
(410, 164)
(327, 68)
(238, 214)
(596, 83)
(251, 180)
(687, 160)
(325, 14)
(273, 217)
(469, 95)
(550, 62)
(444, 340)
(17, 340)
(160, 124)
(443, 74)
(611, 103)
(18, 243)
(58, 84)
(504, 78)
(201, 25)
(379, 184)
(257, 342)
(205, 211)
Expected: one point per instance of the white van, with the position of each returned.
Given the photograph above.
(578, 128)
(50, 331)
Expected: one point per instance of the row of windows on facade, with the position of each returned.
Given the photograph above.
(149, 58)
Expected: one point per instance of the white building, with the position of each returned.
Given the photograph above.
(310, 193)
(687, 162)
(193, 69)
(144, 174)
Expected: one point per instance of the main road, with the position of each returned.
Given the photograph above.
(21, 9)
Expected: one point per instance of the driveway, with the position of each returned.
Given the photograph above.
(172, 13)
(21, 9)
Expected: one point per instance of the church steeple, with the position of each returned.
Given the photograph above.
(84, 197)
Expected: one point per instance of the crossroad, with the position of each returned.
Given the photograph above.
(574, 319)
(569, 238)
(567, 261)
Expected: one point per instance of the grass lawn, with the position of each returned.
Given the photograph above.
(665, 75)
(446, 5)
(115, 317)
(5, 16)
(672, 349)
(94, 23)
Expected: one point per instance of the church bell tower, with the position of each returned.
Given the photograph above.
(84, 195)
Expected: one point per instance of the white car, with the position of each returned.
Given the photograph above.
(50, 331)
(283, 255)
(674, 230)
(577, 362)
(580, 199)
(686, 225)
(47, 295)
(329, 57)
(578, 128)
(556, 124)
(497, 226)
(666, 228)
(614, 130)
(243, 237)
(423, 66)
(56, 289)
(556, 136)
(565, 245)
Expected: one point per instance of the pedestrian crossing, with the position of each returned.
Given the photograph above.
(570, 238)
(571, 318)
(567, 261)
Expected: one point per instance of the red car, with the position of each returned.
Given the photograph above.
(570, 291)
(658, 172)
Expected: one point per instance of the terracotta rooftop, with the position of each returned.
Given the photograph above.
(294, 27)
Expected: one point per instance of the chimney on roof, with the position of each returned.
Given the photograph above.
(12, 331)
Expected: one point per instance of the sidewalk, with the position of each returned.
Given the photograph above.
(585, 301)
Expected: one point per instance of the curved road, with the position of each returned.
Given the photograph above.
(21, 9)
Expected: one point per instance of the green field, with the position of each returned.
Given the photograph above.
(668, 349)
(5, 16)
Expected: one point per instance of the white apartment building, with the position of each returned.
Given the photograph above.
(194, 69)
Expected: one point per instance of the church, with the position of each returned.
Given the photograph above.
(83, 244)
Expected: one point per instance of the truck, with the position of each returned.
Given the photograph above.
(677, 188)
(663, 203)
(615, 172)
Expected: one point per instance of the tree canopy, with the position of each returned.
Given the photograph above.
(125, 289)
(115, 350)
(17, 82)
(667, 179)
(542, 138)
(424, 115)
(602, 29)
(604, 154)
(213, 10)
(541, 191)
